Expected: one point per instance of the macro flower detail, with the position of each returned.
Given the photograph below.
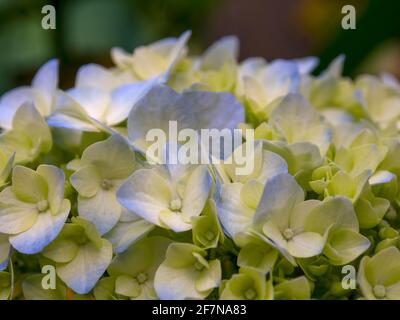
(42, 93)
(101, 170)
(248, 284)
(81, 256)
(5, 248)
(379, 275)
(191, 109)
(132, 272)
(29, 136)
(167, 196)
(33, 209)
(186, 273)
(6, 164)
(169, 176)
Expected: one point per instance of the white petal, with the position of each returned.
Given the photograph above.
(280, 77)
(95, 76)
(381, 177)
(124, 98)
(307, 64)
(15, 219)
(219, 110)
(196, 192)
(234, 215)
(93, 100)
(146, 193)
(124, 234)
(306, 245)
(46, 79)
(176, 284)
(103, 210)
(83, 272)
(281, 194)
(10, 102)
(45, 230)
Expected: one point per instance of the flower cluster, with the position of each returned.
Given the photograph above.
(78, 194)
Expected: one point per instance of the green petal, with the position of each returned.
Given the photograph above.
(260, 256)
(306, 245)
(82, 273)
(384, 267)
(210, 277)
(345, 245)
(28, 185)
(335, 212)
(33, 290)
(113, 158)
(143, 256)
(55, 180)
(280, 195)
(127, 286)
(15, 216)
(294, 289)
(180, 255)
(86, 181)
(104, 289)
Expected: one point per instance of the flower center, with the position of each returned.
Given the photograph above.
(42, 206)
(250, 294)
(198, 266)
(106, 184)
(141, 278)
(288, 234)
(175, 205)
(379, 291)
(209, 235)
(81, 239)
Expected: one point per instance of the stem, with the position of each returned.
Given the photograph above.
(12, 279)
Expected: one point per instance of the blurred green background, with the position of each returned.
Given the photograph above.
(87, 29)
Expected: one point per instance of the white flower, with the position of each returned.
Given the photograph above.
(42, 93)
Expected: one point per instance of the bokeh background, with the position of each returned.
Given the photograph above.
(87, 29)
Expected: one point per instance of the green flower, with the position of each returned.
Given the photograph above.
(293, 289)
(370, 209)
(281, 218)
(240, 194)
(266, 165)
(33, 210)
(155, 60)
(133, 271)
(207, 232)
(29, 137)
(102, 169)
(81, 256)
(379, 100)
(343, 184)
(186, 273)
(359, 159)
(265, 85)
(294, 120)
(217, 68)
(379, 276)
(248, 284)
(168, 196)
(344, 242)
